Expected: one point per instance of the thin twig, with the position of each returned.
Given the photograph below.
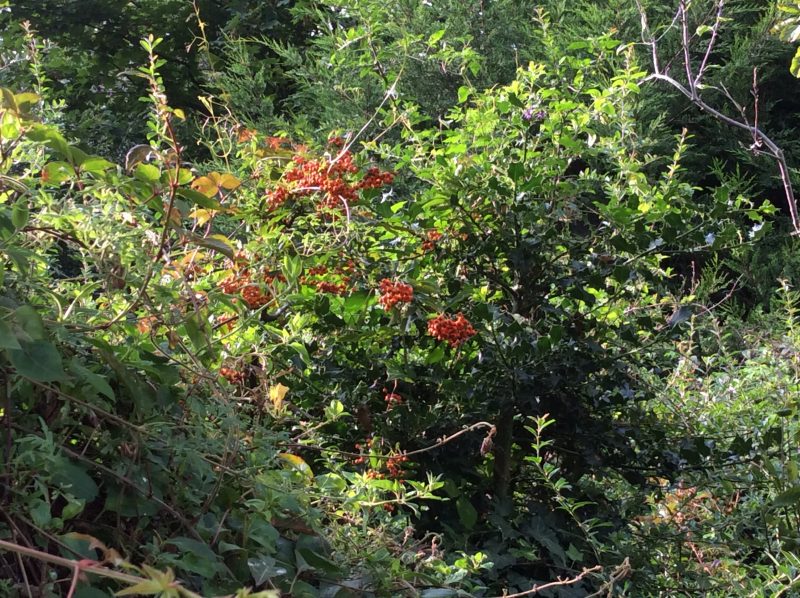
(559, 582)
(690, 90)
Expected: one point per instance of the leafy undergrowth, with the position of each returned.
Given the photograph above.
(399, 365)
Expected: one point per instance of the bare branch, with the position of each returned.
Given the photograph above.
(691, 83)
(559, 582)
(694, 83)
(712, 41)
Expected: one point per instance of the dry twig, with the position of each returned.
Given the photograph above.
(693, 84)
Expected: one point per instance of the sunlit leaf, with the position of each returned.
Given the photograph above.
(276, 394)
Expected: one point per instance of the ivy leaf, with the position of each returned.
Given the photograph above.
(264, 568)
(320, 563)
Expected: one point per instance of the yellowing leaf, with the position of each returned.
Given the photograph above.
(296, 463)
(206, 186)
(202, 216)
(146, 588)
(228, 181)
(277, 393)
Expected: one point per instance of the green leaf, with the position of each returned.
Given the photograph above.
(57, 172)
(196, 332)
(37, 360)
(320, 563)
(218, 243)
(302, 589)
(795, 67)
(40, 513)
(51, 138)
(574, 554)
(195, 547)
(94, 380)
(20, 214)
(198, 198)
(148, 173)
(292, 267)
(463, 94)
(788, 498)
(466, 512)
(72, 509)
(355, 303)
(8, 340)
(435, 355)
(96, 164)
(296, 463)
(264, 568)
(146, 588)
(436, 36)
(74, 479)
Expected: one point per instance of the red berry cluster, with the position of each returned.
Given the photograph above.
(368, 446)
(324, 286)
(330, 177)
(393, 293)
(318, 270)
(341, 273)
(376, 178)
(277, 197)
(254, 296)
(394, 465)
(453, 330)
(231, 375)
(393, 400)
(433, 238)
(229, 321)
(234, 283)
(252, 293)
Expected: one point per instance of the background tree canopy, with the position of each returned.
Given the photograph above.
(398, 298)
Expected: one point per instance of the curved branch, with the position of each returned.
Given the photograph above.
(694, 83)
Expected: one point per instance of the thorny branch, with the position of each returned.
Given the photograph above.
(691, 89)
